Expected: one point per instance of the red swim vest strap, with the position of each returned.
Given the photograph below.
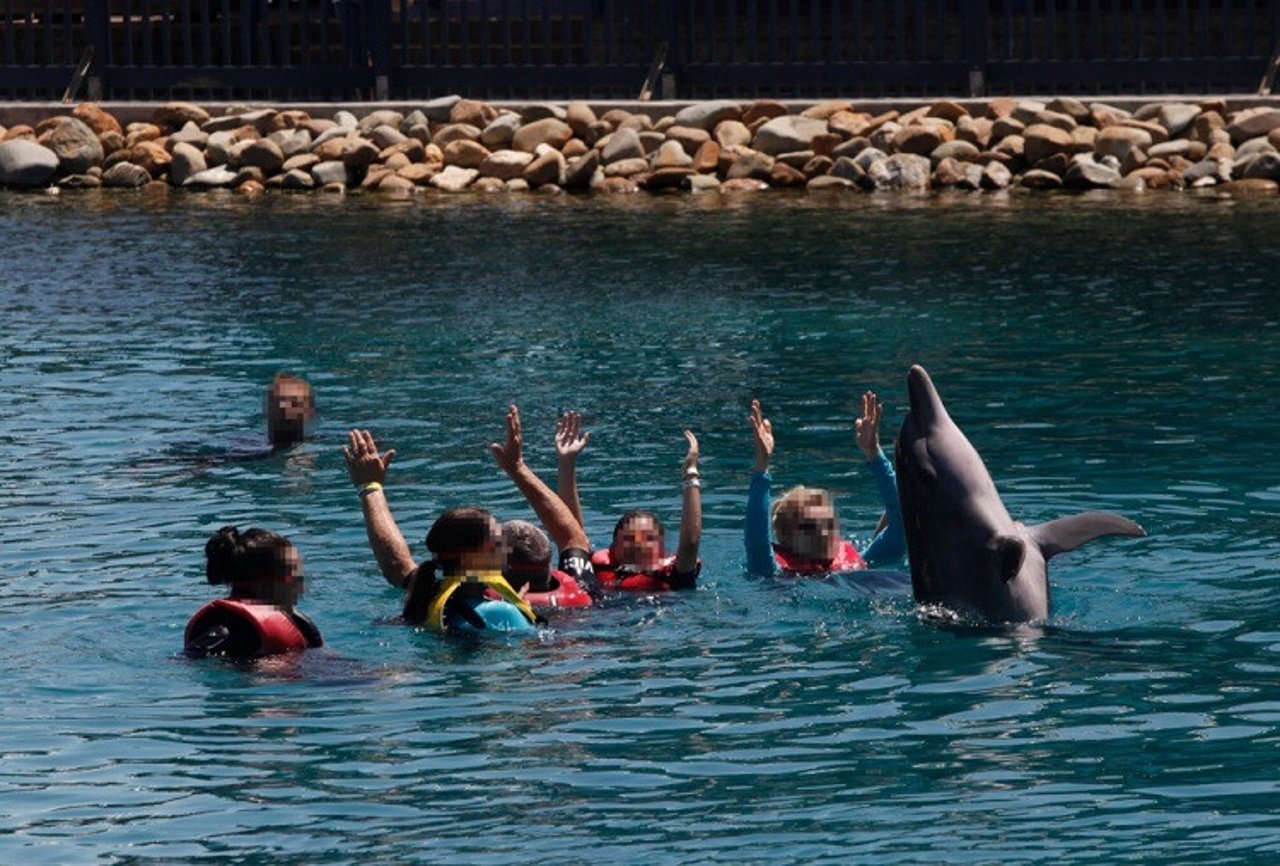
(276, 631)
(607, 572)
(568, 593)
(848, 559)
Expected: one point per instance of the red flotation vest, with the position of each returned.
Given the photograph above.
(612, 578)
(567, 593)
(277, 633)
(848, 559)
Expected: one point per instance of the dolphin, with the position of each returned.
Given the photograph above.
(966, 553)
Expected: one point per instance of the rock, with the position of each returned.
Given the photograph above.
(381, 117)
(1156, 131)
(330, 171)
(505, 164)
(251, 188)
(439, 110)
(345, 120)
(393, 184)
(949, 172)
(1184, 147)
(1205, 124)
(977, 131)
(420, 173)
(1037, 179)
(819, 165)
(784, 175)
(849, 169)
(623, 144)
(901, 171)
(140, 132)
(249, 172)
(152, 156)
(615, 117)
(92, 116)
(410, 147)
(671, 155)
(1040, 141)
(1027, 110)
(1156, 178)
(1125, 143)
(218, 176)
(188, 160)
(20, 131)
(824, 110)
(75, 144)
(80, 181)
(262, 153)
(298, 180)
(920, 140)
(743, 184)
(787, 133)
(549, 168)
(1004, 127)
(707, 115)
(492, 184)
(537, 111)
(292, 119)
(1064, 122)
(762, 109)
(797, 159)
(358, 153)
(579, 116)
(707, 158)
(454, 178)
(1251, 186)
(1210, 170)
(1084, 138)
(651, 141)
(550, 130)
(580, 171)
(385, 136)
(125, 175)
(1253, 122)
(26, 164)
(751, 163)
(455, 132)
(1177, 117)
(1264, 165)
(1001, 106)
(1056, 164)
(500, 131)
(829, 182)
(702, 183)
(395, 162)
(948, 110)
(959, 150)
(113, 141)
(627, 167)
(665, 178)
(189, 134)
(1086, 173)
(1073, 108)
(730, 133)
(176, 115)
(996, 176)
(326, 150)
(883, 138)
(688, 137)
(465, 154)
(472, 112)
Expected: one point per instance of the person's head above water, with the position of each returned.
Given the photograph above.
(637, 541)
(528, 553)
(289, 406)
(257, 564)
(466, 540)
(806, 525)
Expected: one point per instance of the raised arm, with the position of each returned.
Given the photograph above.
(570, 440)
(890, 543)
(756, 527)
(565, 530)
(691, 514)
(368, 471)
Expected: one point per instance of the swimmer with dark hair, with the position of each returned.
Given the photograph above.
(636, 559)
(289, 407)
(461, 589)
(258, 617)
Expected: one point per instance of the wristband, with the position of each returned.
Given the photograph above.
(692, 481)
(691, 472)
(370, 487)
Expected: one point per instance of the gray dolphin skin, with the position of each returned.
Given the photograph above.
(966, 553)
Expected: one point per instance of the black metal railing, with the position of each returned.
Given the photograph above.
(549, 49)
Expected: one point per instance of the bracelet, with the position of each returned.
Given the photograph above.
(366, 489)
(691, 472)
(692, 481)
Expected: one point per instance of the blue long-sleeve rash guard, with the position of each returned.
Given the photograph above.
(887, 548)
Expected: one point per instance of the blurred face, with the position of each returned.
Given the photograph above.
(815, 534)
(490, 556)
(638, 544)
(289, 408)
(290, 586)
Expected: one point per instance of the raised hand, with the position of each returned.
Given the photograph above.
(364, 463)
(508, 455)
(691, 458)
(868, 426)
(570, 440)
(763, 437)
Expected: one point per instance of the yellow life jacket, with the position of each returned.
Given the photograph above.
(490, 580)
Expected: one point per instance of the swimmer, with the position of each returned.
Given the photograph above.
(805, 521)
(636, 558)
(455, 591)
(289, 406)
(258, 617)
(528, 566)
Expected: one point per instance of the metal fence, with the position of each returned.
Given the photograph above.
(410, 49)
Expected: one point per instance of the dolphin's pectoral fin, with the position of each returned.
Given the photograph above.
(1068, 533)
(1011, 552)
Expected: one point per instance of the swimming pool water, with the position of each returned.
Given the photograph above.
(1100, 352)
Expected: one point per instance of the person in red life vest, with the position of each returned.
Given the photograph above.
(804, 520)
(528, 566)
(636, 559)
(258, 618)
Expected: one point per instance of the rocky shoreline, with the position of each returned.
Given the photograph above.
(455, 145)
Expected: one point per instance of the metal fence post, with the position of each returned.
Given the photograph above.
(378, 33)
(975, 23)
(98, 27)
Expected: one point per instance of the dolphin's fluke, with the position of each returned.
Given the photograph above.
(1068, 533)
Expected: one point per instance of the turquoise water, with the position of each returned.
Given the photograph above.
(1117, 353)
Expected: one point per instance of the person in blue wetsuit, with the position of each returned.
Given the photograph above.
(804, 520)
(461, 589)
